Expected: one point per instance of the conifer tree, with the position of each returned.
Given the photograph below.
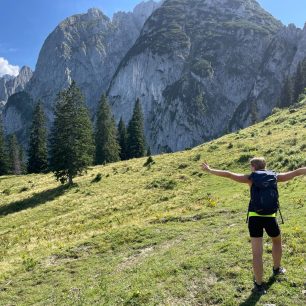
(136, 138)
(122, 139)
(107, 146)
(15, 155)
(299, 80)
(286, 98)
(3, 153)
(148, 151)
(38, 156)
(71, 140)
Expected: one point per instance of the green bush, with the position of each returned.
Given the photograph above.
(182, 166)
(23, 189)
(97, 179)
(243, 158)
(149, 162)
(197, 157)
(167, 184)
(28, 263)
(6, 191)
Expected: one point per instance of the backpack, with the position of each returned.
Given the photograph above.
(264, 193)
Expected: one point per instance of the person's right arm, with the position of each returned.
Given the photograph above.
(240, 178)
(287, 176)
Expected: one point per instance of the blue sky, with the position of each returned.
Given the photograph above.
(25, 24)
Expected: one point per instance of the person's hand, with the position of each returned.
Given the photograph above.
(205, 167)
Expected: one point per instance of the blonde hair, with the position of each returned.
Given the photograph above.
(258, 163)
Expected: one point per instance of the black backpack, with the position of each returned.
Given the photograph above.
(264, 193)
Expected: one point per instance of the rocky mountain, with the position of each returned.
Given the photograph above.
(202, 68)
(10, 84)
(87, 48)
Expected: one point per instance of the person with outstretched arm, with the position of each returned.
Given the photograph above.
(262, 212)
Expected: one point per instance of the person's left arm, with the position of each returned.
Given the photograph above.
(287, 176)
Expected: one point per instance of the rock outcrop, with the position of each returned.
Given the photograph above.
(10, 85)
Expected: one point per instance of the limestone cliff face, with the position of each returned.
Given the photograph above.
(280, 60)
(17, 114)
(202, 68)
(10, 85)
(86, 48)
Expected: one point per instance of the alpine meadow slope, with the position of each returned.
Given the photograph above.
(158, 233)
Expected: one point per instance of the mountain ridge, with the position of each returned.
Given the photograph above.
(200, 68)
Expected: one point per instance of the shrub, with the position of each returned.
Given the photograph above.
(97, 179)
(212, 148)
(243, 158)
(291, 142)
(182, 166)
(275, 110)
(197, 157)
(149, 161)
(303, 147)
(6, 191)
(167, 184)
(28, 263)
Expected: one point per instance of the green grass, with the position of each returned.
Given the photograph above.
(164, 233)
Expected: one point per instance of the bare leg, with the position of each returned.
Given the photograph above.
(277, 251)
(257, 251)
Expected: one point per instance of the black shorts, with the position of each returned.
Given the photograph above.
(257, 224)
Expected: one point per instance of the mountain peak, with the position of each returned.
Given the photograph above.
(25, 69)
(94, 12)
(145, 6)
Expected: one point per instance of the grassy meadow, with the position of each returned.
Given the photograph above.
(163, 233)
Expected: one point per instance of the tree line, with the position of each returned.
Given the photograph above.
(73, 143)
(294, 86)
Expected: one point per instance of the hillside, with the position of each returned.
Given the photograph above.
(162, 234)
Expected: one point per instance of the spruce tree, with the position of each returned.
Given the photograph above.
(122, 139)
(3, 153)
(136, 138)
(38, 156)
(71, 139)
(299, 80)
(286, 98)
(107, 146)
(15, 156)
(298, 83)
(148, 151)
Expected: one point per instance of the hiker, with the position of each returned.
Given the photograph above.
(263, 185)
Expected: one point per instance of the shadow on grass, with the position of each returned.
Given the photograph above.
(37, 199)
(253, 299)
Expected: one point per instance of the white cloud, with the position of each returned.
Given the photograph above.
(7, 68)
